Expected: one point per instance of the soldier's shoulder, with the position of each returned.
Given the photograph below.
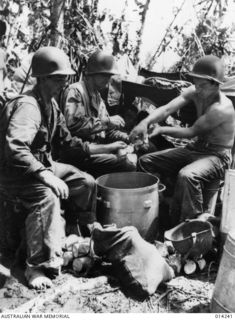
(189, 93)
(76, 85)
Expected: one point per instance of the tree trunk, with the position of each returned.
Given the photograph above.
(57, 22)
(139, 41)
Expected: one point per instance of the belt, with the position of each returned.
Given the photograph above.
(210, 145)
(214, 145)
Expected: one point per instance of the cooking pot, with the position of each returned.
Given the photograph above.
(129, 199)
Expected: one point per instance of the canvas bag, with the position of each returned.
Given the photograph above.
(136, 263)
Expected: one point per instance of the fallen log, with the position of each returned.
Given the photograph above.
(74, 285)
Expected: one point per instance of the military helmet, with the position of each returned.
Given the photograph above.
(100, 62)
(192, 238)
(50, 61)
(209, 67)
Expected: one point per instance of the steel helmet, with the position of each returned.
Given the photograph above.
(100, 62)
(209, 67)
(192, 237)
(50, 61)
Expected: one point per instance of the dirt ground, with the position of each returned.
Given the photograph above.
(101, 293)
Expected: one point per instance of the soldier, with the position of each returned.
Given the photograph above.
(87, 118)
(32, 129)
(206, 158)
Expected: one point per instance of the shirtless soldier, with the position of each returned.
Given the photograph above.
(204, 159)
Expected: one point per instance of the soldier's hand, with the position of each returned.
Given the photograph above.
(115, 146)
(58, 186)
(116, 122)
(156, 129)
(140, 132)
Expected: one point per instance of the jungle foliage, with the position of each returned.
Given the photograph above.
(76, 26)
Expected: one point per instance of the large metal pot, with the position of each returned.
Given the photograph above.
(129, 199)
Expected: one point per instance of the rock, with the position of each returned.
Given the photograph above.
(190, 267)
(201, 264)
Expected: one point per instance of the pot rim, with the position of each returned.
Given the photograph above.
(128, 189)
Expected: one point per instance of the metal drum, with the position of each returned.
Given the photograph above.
(129, 199)
(223, 299)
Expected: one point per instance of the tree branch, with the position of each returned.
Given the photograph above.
(152, 60)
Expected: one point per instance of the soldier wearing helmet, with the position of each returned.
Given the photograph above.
(33, 130)
(87, 118)
(209, 68)
(208, 155)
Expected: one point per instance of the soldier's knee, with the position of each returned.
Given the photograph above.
(143, 163)
(89, 182)
(185, 174)
(50, 198)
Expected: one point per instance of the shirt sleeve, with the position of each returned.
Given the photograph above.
(22, 129)
(116, 135)
(77, 121)
(69, 146)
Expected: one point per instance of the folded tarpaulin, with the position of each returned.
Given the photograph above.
(228, 87)
(156, 89)
(161, 95)
(168, 75)
(157, 96)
